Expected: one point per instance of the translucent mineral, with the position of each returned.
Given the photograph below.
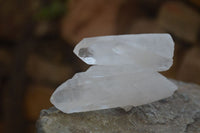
(124, 73)
(145, 50)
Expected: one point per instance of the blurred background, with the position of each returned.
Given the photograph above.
(37, 38)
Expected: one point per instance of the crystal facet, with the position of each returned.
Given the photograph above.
(125, 73)
(146, 50)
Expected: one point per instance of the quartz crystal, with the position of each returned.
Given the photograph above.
(125, 73)
(146, 50)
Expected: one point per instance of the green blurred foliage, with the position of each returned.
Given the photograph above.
(52, 11)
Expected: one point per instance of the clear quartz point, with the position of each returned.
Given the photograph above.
(125, 73)
(146, 50)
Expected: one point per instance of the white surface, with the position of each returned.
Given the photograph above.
(125, 73)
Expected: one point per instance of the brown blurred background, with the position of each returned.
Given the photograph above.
(37, 38)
